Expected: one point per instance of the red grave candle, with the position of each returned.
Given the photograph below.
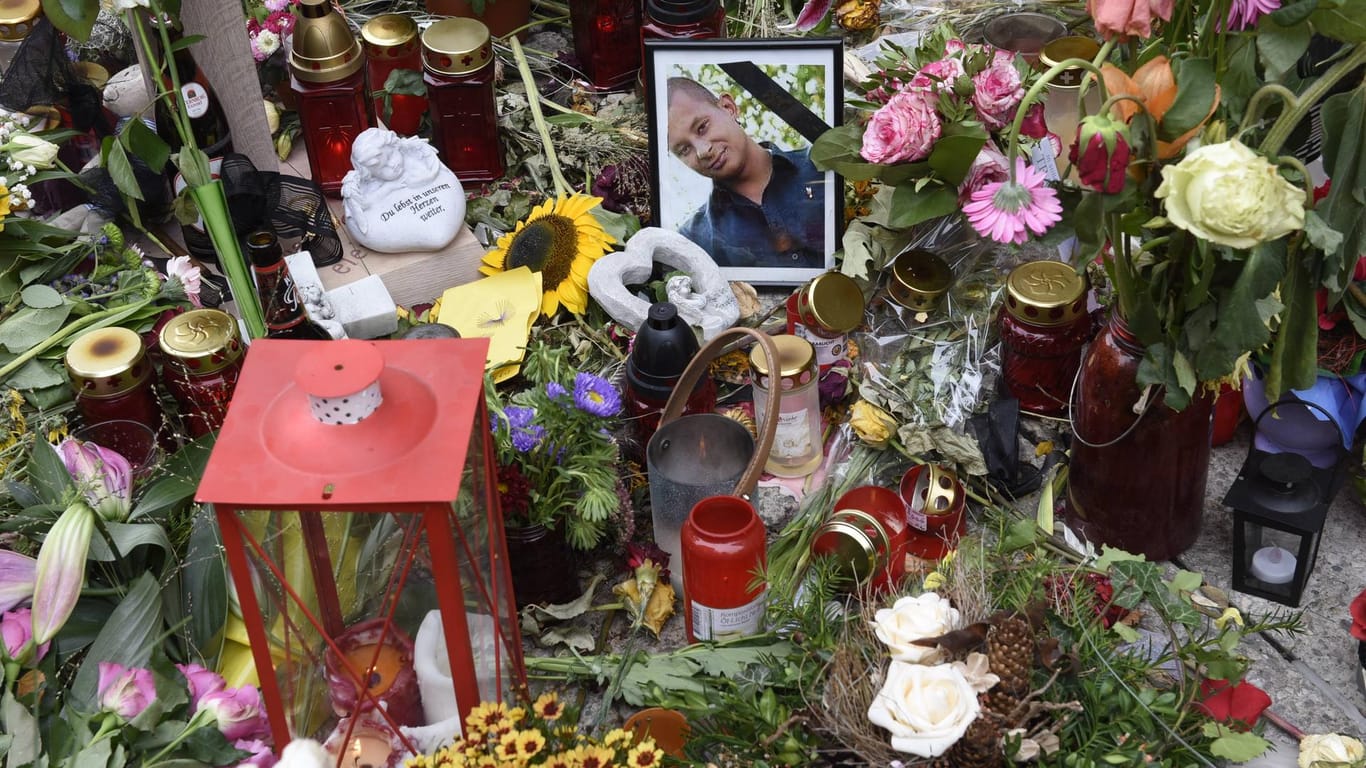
(327, 74)
(605, 40)
(722, 545)
(457, 60)
(935, 505)
(375, 668)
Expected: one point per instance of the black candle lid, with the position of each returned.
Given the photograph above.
(681, 11)
(663, 348)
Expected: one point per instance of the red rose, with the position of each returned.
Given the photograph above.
(1101, 154)
(1358, 610)
(1239, 705)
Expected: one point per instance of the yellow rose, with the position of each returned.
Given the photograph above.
(873, 425)
(1228, 194)
(1330, 750)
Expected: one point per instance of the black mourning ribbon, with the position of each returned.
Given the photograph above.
(289, 205)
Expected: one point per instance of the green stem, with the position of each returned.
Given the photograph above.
(562, 187)
(1294, 162)
(1254, 109)
(198, 720)
(1280, 130)
(1033, 94)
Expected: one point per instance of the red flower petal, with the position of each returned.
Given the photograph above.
(812, 14)
(1358, 610)
(1240, 704)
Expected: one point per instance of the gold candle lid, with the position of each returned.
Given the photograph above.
(92, 73)
(324, 48)
(871, 526)
(202, 340)
(937, 491)
(106, 362)
(796, 362)
(456, 46)
(919, 280)
(1045, 293)
(832, 301)
(1064, 48)
(389, 35)
(16, 18)
(849, 546)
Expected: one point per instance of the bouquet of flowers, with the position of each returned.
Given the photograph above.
(937, 117)
(497, 736)
(555, 451)
(270, 26)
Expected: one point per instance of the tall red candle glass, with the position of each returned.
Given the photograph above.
(457, 58)
(605, 40)
(1043, 330)
(202, 357)
(391, 43)
(327, 74)
(723, 547)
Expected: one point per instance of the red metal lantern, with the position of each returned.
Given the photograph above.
(353, 484)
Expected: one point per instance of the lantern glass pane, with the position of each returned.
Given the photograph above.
(1269, 559)
(342, 595)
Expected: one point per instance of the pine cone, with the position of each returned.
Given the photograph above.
(980, 747)
(1010, 652)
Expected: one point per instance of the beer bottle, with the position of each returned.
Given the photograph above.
(284, 312)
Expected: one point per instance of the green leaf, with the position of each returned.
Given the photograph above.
(37, 374)
(1134, 580)
(47, 474)
(29, 326)
(1126, 633)
(1241, 79)
(208, 745)
(1240, 324)
(121, 171)
(166, 493)
(1344, 159)
(1290, 15)
(1320, 235)
(1344, 20)
(733, 661)
(1280, 47)
(146, 144)
(186, 42)
(953, 154)
(20, 723)
(1186, 581)
(1195, 95)
(128, 537)
(1294, 353)
(1021, 533)
(74, 17)
(409, 82)
(910, 208)
(205, 597)
(1238, 747)
(126, 639)
(41, 297)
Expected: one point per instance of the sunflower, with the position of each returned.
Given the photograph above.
(561, 240)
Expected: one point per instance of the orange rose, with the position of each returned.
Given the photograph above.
(1154, 84)
(1128, 18)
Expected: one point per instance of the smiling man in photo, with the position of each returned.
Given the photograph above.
(766, 207)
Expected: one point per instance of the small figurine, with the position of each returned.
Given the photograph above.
(400, 198)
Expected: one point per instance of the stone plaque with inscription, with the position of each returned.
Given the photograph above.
(400, 198)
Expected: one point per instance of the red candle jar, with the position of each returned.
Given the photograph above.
(823, 312)
(390, 42)
(935, 504)
(682, 20)
(1043, 331)
(112, 379)
(605, 40)
(866, 535)
(375, 667)
(457, 60)
(203, 356)
(327, 75)
(723, 548)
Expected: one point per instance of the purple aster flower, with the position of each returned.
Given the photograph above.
(1245, 13)
(555, 390)
(596, 395)
(527, 438)
(519, 417)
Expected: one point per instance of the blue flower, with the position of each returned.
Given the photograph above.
(519, 417)
(555, 390)
(525, 435)
(596, 395)
(526, 439)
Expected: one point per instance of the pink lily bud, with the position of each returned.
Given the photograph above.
(238, 712)
(61, 570)
(1101, 154)
(16, 578)
(125, 692)
(16, 630)
(104, 476)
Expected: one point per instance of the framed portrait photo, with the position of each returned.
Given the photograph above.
(731, 127)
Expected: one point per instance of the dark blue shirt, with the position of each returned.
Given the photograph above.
(788, 230)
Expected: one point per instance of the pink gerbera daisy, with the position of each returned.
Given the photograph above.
(1245, 13)
(1006, 211)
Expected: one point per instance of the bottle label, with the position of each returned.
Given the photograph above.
(196, 99)
(792, 438)
(829, 350)
(726, 623)
(918, 520)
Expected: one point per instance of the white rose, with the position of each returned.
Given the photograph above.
(915, 618)
(1324, 750)
(27, 149)
(128, 5)
(1226, 193)
(926, 709)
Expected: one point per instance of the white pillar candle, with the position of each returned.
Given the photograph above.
(1273, 565)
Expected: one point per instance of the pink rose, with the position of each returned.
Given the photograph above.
(989, 167)
(201, 683)
(1033, 125)
(1128, 18)
(125, 692)
(954, 45)
(939, 75)
(16, 630)
(902, 130)
(238, 712)
(261, 754)
(998, 91)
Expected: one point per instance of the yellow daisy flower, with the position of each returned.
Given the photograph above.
(530, 743)
(558, 761)
(4, 205)
(593, 757)
(548, 707)
(560, 239)
(507, 746)
(618, 736)
(644, 755)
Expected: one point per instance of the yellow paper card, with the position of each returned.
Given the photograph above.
(500, 308)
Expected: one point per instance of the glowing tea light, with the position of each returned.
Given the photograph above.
(370, 749)
(374, 669)
(386, 665)
(1273, 565)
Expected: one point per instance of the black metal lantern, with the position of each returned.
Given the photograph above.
(1280, 502)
